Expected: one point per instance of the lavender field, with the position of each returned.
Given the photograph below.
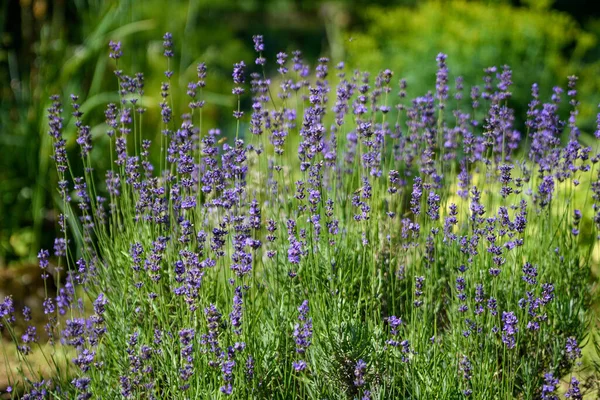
(343, 237)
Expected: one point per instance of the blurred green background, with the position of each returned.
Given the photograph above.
(61, 46)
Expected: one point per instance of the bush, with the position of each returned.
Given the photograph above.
(543, 46)
(338, 247)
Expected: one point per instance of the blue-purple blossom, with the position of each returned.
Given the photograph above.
(466, 368)
(115, 50)
(433, 206)
(418, 290)
(359, 373)
(367, 203)
(299, 366)
(530, 274)
(236, 313)
(417, 192)
(441, 82)
(168, 44)
(302, 334)
(549, 387)
(259, 47)
(509, 329)
(574, 392)
(238, 73)
(572, 349)
(545, 191)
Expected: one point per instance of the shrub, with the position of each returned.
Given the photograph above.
(337, 247)
(542, 46)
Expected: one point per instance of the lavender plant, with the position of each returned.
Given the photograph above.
(343, 242)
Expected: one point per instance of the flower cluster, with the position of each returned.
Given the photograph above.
(180, 274)
(302, 334)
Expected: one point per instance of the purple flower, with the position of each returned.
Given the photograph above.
(60, 247)
(65, 295)
(49, 307)
(168, 45)
(115, 50)
(460, 288)
(82, 384)
(294, 251)
(238, 73)
(303, 331)
(510, 329)
(281, 58)
(465, 368)
(418, 290)
(545, 191)
(529, 274)
(299, 366)
(597, 131)
(84, 359)
(74, 333)
(201, 72)
(236, 314)
(441, 81)
(30, 335)
(359, 373)
(43, 258)
(84, 136)
(227, 389)
(449, 223)
(254, 215)
(574, 392)
(547, 293)
(27, 313)
(213, 318)
(417, 192)
(259, 46)
(433, 206)
(395, 323)
(39, 390)
(250, 367)
(100, 304)
(572, 349)
(505, 179)
(227, 371)
(186, 338)
(136, 253)
(549, 386)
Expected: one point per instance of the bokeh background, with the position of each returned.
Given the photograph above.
(60, 46)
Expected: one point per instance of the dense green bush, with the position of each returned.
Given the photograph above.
(542, 46)
(333, 248)
(42, 54)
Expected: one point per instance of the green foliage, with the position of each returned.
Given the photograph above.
(354, 282)
(44, 55)
(328, 228)
(542, 46)
(63, 49)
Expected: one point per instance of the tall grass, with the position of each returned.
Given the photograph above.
(343, 242)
